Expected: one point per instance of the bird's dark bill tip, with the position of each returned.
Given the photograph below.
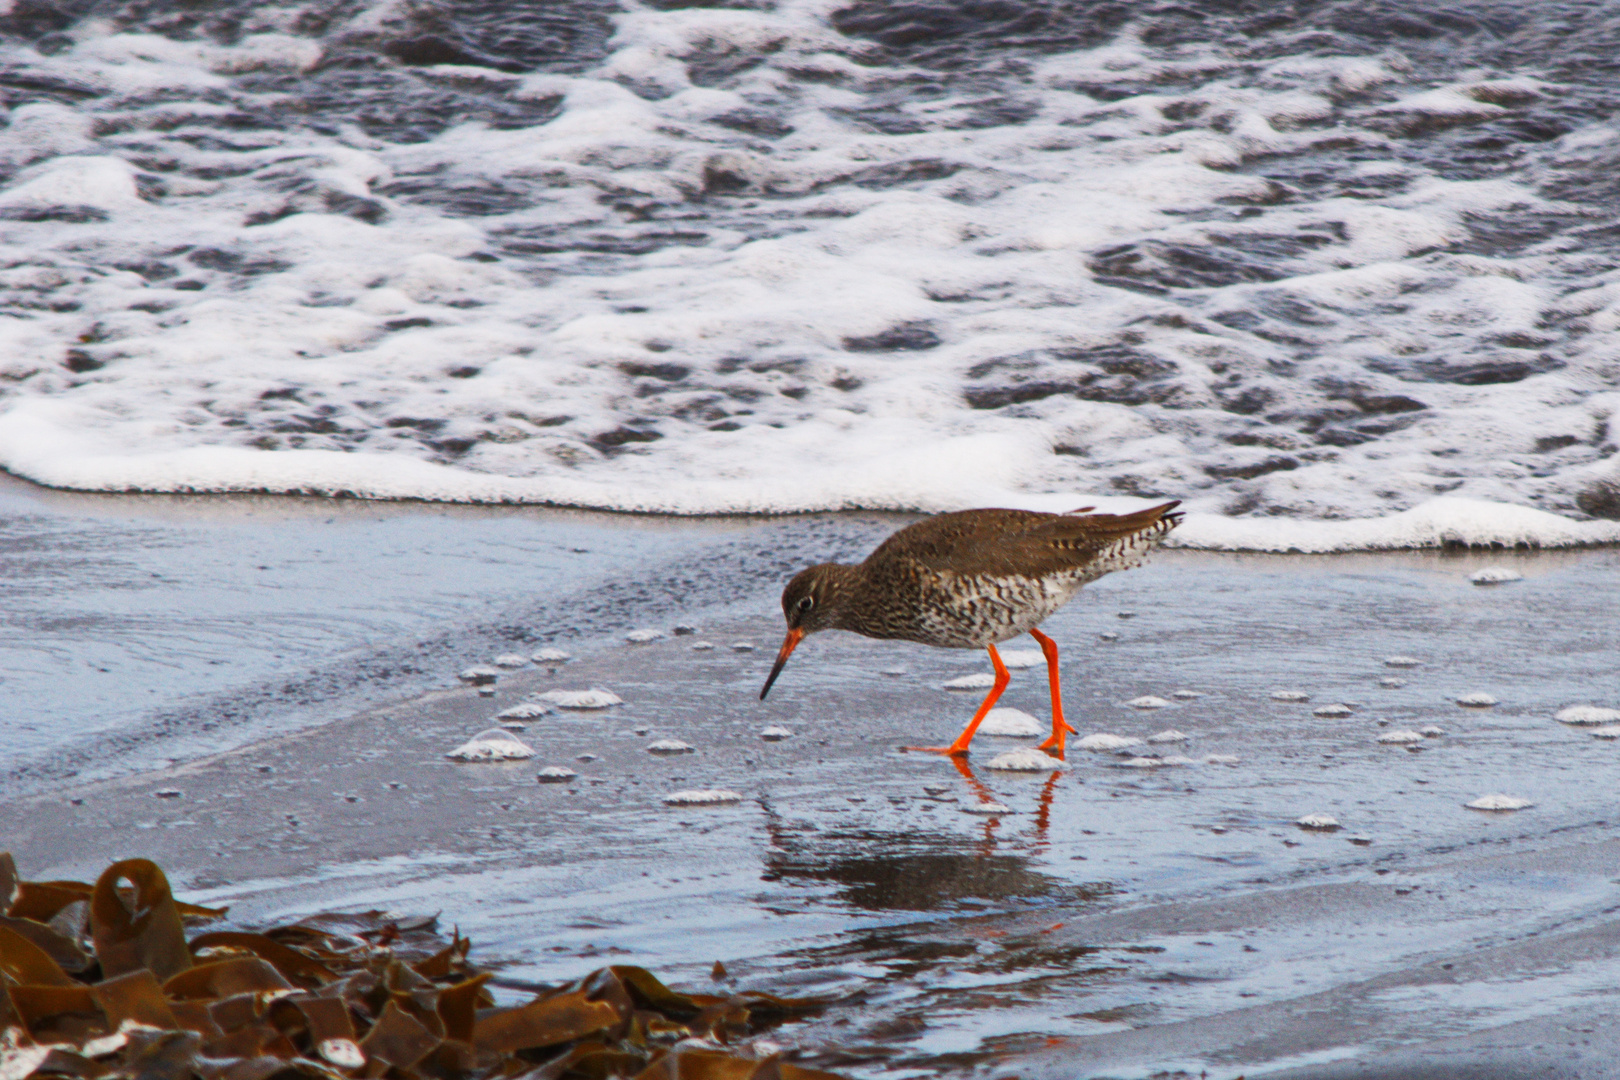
(793, 639)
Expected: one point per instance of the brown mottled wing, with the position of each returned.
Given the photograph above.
(1024, 543)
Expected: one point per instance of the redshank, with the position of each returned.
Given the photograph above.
(969, 580)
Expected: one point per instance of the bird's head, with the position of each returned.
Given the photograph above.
(810, 603)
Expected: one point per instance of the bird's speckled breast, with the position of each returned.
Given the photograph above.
(970, 612)
(961, 611)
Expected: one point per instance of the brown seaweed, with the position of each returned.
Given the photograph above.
(101, 981)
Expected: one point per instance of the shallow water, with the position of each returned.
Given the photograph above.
(139, 630)
(1323, 261)
(1131, 920)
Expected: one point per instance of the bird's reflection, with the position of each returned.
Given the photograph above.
(986, 797)
(922, 866)
(1043, 811)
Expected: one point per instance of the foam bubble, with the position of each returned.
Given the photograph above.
(1024, 759)
(1495, 575)
(1139, 763)
(555, 774)
(1169, 735)
(1013, 659)
(641, 637)
(495, 744)
(775, 733)
(1290, 695)
(1401, 738)
(1147, 701)
(1610, 732)
(1587, 714)
(1402, 661)
(479, 675)
(524, 710)
(703, 797)
(1476, 700)
(1186, 695)
(1318, 822)
(551, 656)
(594, 698)
(670, 746)
(104, 183)
(979, 680)
(1104, 741)
(1011, 722)
(1389, 682)
(742, 646)
(510, 660)
(988, 808)
(1499, 802)
(1431, 731)
(702, 646)
(1331, 711)
(1458, 102)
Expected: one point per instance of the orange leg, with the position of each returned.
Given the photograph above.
(1060, 729)
(960, 746)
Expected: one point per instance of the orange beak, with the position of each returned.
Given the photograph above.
(793, 639)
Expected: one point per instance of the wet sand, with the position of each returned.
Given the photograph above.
(142, 629)
(1117, 921)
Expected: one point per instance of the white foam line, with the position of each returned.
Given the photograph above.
(1436, 523)
(34, 447)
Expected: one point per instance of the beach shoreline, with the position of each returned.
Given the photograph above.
(846, 858)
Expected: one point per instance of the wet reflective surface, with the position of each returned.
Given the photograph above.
(139, 629)
(1118, 918)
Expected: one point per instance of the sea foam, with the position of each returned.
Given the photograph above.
(1012, 722)
(777, 286)
(1024, 759)
(492, 745)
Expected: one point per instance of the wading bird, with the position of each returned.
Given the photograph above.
(970, 580)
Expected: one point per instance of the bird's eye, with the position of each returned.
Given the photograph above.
(806, 604)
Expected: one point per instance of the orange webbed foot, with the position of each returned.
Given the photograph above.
(1054, 742)
(959, 748)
